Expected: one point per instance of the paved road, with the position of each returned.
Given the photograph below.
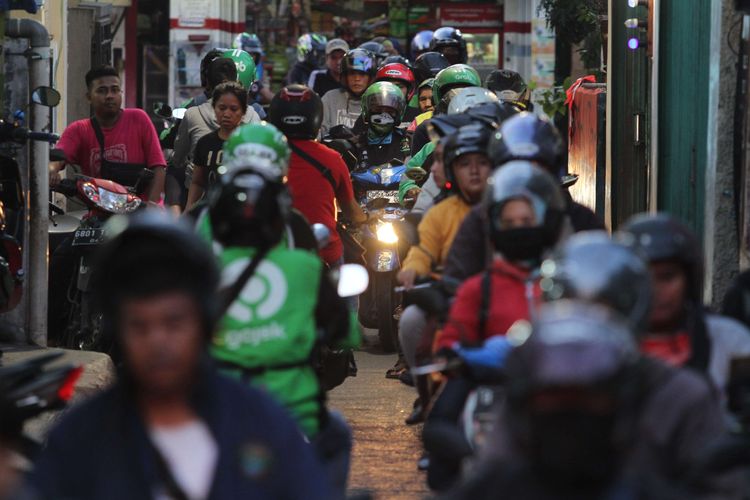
(385, 449)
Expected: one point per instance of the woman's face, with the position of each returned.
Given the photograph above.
(471, 171)
(229, 112)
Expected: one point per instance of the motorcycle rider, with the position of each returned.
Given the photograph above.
(157, 285)
(450, 43)
(201, 120)
(522, 137)
(680, 332)
(509, 86)
(424, 94)
(323, 80)
(525, 215)
(400, 75)
(259, 90)
(383, 142)
(127, 134)
(230, 104)
(343, 106)
(311, 55)
(581, 414)
(428, 65)
(444, 88)
(286, 308)
(420, 43)
(318, 178)
(467, 169)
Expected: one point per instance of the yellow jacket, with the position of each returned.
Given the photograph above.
(436, 232)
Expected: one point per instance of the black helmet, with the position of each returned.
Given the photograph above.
(493, 114)
(420, 43)
(592, 267)
(507, 84)
(528, 137)
(206, 61)
(396, 59)
(441, 126)
(446, 38)
(148, 253)
(360, 60)
(523, 180)
(297, 111)
(377, 50)
(662, 237)
(248, 209)
(571, 395)
(470, 138)
(428, 65)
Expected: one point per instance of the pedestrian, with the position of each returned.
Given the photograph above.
(229, 100)
(171, 426)
(323, 80)
(318, 178)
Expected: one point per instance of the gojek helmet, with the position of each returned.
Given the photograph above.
(245, 66)
(259, 146)
(383, 95)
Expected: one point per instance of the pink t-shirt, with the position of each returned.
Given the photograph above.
(133, 139)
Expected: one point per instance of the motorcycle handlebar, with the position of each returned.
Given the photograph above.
(42, 136)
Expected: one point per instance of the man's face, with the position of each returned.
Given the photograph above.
(357, 82)
(333, 61)
(425, 100)
(471, 171)
(669, 283)
(105, 96)
(162, 341)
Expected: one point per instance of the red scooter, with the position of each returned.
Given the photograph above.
(103, 198)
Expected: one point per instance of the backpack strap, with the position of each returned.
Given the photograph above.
(325, 171)
(484, 305)
(99, 137)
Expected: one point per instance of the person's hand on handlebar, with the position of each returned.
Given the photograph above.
(54, 173)
(407, 277)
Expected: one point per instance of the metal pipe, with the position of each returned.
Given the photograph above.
(653, 174)
(37, 216)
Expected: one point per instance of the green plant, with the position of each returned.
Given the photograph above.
(577, 22)
(552, 99)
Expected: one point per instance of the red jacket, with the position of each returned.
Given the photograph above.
(507, 304)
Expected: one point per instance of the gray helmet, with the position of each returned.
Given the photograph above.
(591, 267)
(469, 97)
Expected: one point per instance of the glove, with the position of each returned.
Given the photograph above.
(492, 354)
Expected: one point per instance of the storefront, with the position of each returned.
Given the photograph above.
(482, 27)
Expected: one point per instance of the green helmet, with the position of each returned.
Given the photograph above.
(245, 66)
(259, 146)
(456, 76)
(385, 94)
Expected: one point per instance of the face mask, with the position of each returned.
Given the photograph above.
(524, 244)
(381, 124)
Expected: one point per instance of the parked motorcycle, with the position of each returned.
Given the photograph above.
(103, 198)
(12, 134)
(376, 189)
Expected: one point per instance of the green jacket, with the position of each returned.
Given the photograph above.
(268, 335)
(416, 161)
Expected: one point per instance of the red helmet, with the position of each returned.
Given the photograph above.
(398, 73)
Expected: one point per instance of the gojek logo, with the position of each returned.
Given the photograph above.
(264, 294)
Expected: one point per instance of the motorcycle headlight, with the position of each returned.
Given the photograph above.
(116, 203)
(387, 234)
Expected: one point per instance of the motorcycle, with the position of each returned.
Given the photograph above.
(103, 198)
(12, 201)
(376, 189)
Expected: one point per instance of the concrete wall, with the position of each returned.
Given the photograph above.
(720, 236)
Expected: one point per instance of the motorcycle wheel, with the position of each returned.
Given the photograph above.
(367, 310)
(385, 298)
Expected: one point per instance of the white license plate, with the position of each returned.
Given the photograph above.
(391, 196)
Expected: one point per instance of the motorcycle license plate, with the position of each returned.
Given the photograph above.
(88, 236)
(391, 196)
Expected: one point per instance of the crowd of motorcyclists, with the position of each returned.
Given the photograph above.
(222, 304)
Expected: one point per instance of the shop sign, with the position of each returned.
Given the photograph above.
(465, 15)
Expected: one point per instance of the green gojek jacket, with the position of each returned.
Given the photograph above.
(270, 331)
(416, 161)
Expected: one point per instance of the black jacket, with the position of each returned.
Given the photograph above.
(470, 252)
(101, 448)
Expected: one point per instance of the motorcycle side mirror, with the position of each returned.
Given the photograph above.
(162, 110)
(178, 113)
(322, 234)
(568, 180)
(57, 155)
(46, 96)
(352, 280)
(417, 174)
(377, 204)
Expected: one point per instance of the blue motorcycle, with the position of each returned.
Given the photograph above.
(376, 189)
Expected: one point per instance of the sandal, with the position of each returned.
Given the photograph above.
(399, 368)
